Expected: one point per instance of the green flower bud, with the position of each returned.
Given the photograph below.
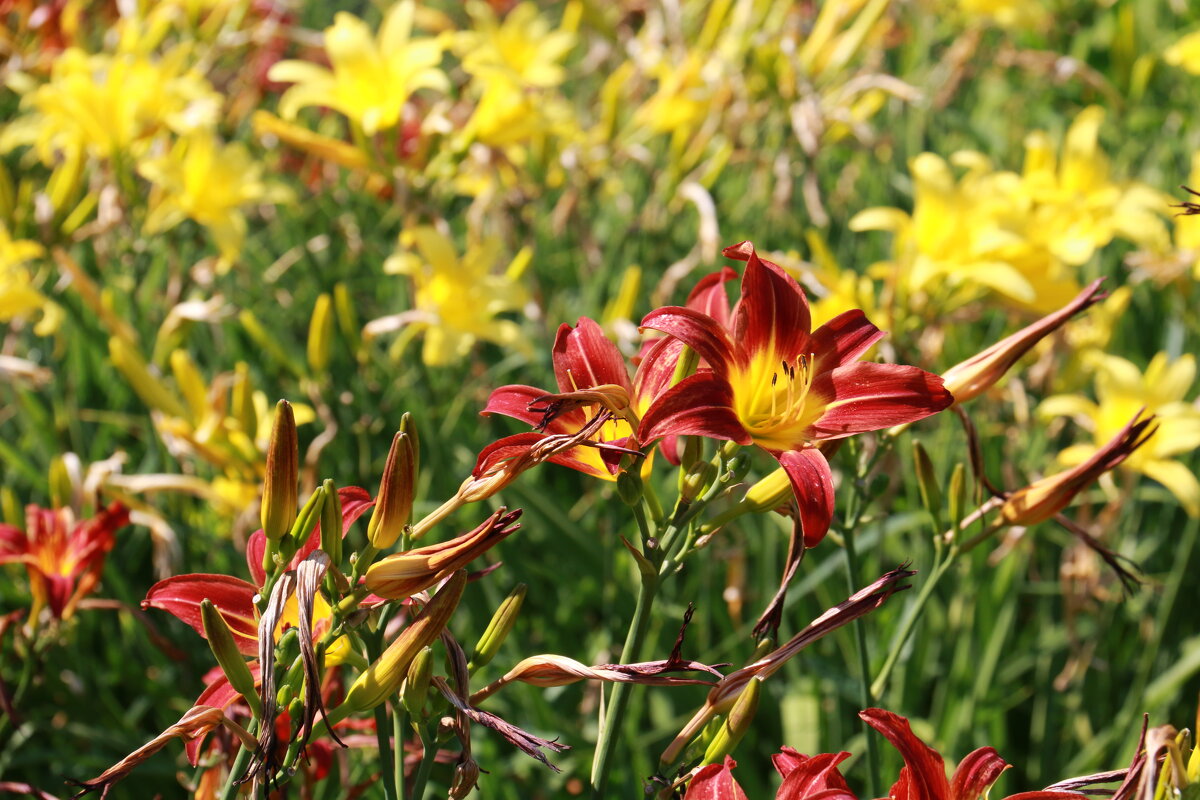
(693, 482)
(220, 641)
(416, 684)
(309, 516)
(331, 522)
(320, 334)
(736, 724)
(629, 487)
(498, 629)
(959, 491)
(394, 503)
(927, 482)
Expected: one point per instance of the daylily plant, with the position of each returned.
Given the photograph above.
(773, 382)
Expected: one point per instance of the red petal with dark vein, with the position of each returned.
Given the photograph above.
(709, 297)
(233, 597)
(698, 331)
(772, 313)
(812, 483)
(699, 405)
(814, 774)
(843, 339)
(513, 401)
(355, 502)
(976, 772)
(926, 779)
(715, 782)
(865, 396)
(655, 372)
(584, 357)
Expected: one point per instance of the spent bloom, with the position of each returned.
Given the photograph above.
(458, 299)
(774, 382)
(371, 78)
(63, 557)
(1121, 390)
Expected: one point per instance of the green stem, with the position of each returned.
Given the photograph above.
(398, 748)
(909, 623)
(429, 746)
(231, 788)
(864, 665)
(387, 775)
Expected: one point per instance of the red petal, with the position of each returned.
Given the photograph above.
(233, 597)
(584, 357)
(715, 782)
(698, 331)
(843, 339)
(655, 372)
(13, 543)
(812, 483)
(700, 405)
(975, 773)
(501, 450)
(868, 397)
(513, 401)
(709, 297)
(926, 778)
(787, 793)
(1045, 795)
(355, 502)
(218, 694)
(787, 759)
(772, 312)
(806, 775)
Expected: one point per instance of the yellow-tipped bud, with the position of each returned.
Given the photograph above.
(741, 716)
(394, 503)
(320, 334)
(769, 493)
(241, 400)
(283, 471)
(498, 629)
(416, 685)
(343, 305)
(382, 679)
(331, 522)
(220, 641)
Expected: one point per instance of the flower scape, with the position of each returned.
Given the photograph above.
(677, 400)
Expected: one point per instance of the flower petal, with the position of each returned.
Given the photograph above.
(584, 357)
(772, 313)
(233, 597)
(492, 457)
(715, 782)
(709, 296)
(867, 397)
(702, 333)
(655, 372)
(513, 401)
(926, 772)
(812, 482)
(976, 772)
(843, 339)
(699, 405)
(804, 775)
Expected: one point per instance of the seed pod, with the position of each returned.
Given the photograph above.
(220, 641)
(283, 471)
(498, 629)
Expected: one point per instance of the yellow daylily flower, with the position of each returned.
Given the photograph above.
(1010, 14)
(208, 182)
(18, 296)
(522, 50)
(1185, 53)
(372, 78)
(457, 299)
(1121, 390)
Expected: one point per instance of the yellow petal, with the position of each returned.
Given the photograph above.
(1179, 480)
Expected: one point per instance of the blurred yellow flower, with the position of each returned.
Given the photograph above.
(457, 300)
(1185, 53)
(1007, 13)
(1121, 390)
(522, 50)
(18, 296)
(208, 182)
(372, 78)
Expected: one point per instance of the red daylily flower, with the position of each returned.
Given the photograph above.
(587, 366)
(923, 776)
(772, 381)
(62, 557)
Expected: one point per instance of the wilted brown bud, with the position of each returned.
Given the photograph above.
(283, 471)
(396, 489)
(466, 775)
(980, 372)
(1044, 498)
(405, 574)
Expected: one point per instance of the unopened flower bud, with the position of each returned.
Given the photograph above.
(309, 516)
(396, 489)
(283, 471)
(408, 427)
(960, 494)
(693, 448)
(693, 482)
(416, 684)
(190, 383)
(62, 489)
(347, 318)
(320, 334)
(738, 465)
(927, 482)
(331, 522)
(768, 493)
(241, 401)
(629, 487)
(741, 716)
(221, 642)
(498, 629)
(382, 679)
